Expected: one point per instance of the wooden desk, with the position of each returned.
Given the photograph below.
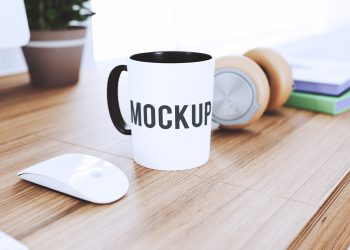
(263, 187)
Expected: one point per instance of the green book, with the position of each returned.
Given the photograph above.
(333, 105)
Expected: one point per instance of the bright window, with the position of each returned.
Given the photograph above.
(121, 28)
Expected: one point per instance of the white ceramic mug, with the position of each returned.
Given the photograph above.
(171, 96)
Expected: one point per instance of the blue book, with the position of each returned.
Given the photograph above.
(320, 77)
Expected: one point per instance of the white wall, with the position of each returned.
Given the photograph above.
(11, 61)
(216, 27)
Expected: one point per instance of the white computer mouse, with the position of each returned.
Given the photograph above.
(83, 176)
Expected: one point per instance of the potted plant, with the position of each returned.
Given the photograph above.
(54, 52)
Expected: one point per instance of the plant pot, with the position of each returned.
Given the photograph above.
(53, 57)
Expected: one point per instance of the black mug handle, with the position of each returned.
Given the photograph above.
(113, 101)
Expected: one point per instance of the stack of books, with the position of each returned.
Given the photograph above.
(320, 86)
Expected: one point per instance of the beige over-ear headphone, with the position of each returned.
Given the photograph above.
(246, 86)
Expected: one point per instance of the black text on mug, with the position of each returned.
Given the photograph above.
(149, 116)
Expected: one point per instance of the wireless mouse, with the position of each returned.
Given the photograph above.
(82, 176)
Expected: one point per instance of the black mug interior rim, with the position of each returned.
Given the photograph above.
(171, 57)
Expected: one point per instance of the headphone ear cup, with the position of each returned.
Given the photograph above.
(247, 71)
(278, 73)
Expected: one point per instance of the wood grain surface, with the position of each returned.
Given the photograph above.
(329, 228)
(279, 183)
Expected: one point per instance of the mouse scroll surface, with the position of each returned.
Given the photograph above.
(82, 176)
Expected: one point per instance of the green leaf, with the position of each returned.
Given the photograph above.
(55, 14)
